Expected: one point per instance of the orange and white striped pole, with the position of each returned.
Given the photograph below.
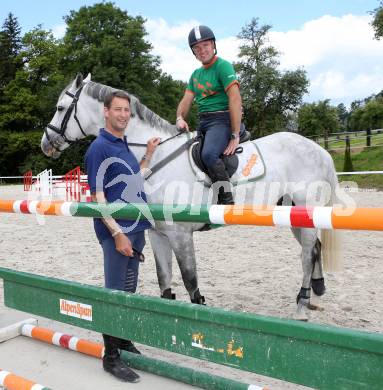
(299, 216)
(63, 340)
(13, 382)
(261, 215)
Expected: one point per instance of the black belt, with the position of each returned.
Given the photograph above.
(211, 113)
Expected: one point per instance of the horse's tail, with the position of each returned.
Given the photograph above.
(332, 239)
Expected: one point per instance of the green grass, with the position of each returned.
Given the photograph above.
(369, 159)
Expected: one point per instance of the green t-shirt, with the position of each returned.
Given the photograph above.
(210, 83)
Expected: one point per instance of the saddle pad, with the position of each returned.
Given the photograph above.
(250, 166)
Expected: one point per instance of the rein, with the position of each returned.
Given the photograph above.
(155, 168)
(180, 132)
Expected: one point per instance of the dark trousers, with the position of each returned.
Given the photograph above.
(216, 127)
(121, 272)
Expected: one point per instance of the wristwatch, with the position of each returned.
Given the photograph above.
(234, 136)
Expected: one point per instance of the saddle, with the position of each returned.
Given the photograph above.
(243, 166)
(231, 162)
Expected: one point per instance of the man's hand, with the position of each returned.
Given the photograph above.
(230, 149)
(123, 245)
(151, 146)
(182, 124)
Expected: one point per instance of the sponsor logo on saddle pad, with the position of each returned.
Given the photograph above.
(76, 309)
(250, 163)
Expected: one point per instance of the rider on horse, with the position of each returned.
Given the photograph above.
(215, 88)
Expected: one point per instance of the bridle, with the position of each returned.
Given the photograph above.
(61, 131)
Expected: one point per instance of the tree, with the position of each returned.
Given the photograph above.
(316, 119)
(29, 98)
(373, 114)
(377, 22)
(269, 96)
(355, 120)
(343, 116)
(370, 115)
(10, 45)
(110, 44)
(105, 41)
(169, 92)
(100, 39)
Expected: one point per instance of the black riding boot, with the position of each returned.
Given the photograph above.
(218, 174)
(112, 362)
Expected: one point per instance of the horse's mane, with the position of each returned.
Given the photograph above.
(99, 91)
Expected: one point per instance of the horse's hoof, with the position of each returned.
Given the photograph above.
(302, 313)
(301, 317)
(198, 298)
(318, 286)
(167, 294)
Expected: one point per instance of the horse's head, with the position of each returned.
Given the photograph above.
(68, 124)
(79, 112)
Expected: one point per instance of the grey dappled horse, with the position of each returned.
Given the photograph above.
(297, 171)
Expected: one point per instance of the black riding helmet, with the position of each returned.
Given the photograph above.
(200, 34)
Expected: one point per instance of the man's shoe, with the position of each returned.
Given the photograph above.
(112, 362)
(115, 366)
(127, 345)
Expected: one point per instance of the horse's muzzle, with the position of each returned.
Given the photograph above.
(50, 147)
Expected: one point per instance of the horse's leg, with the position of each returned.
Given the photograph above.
(163, 256)
(182, 244)
(308, 239)
(317, 277)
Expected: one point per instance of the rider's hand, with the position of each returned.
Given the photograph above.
(230, 149)
(182, 124)
(151, 146)
(123, 245)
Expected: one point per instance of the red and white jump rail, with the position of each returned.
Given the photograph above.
(291, 216)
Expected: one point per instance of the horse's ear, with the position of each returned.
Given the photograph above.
(79, 80)
(87, 78)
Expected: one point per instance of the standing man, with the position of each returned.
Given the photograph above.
(215, 88)
(122, 241)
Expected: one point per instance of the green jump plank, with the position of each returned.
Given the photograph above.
(184, 374)
(323, 357)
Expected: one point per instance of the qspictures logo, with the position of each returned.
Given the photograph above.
(76, 309)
